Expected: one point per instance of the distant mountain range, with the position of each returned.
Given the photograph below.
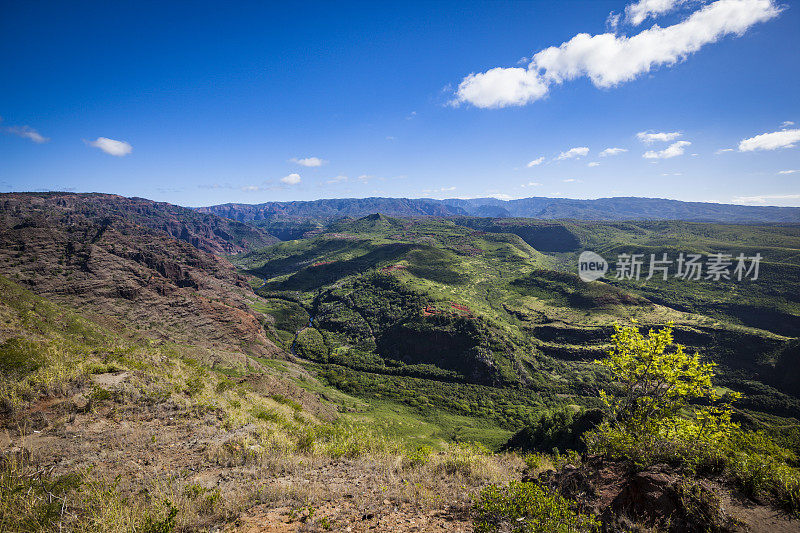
(605, 209)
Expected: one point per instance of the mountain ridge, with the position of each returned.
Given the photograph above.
(601, 209)
(207, 233)
(103, 255)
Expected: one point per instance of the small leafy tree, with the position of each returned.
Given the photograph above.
(652, 412)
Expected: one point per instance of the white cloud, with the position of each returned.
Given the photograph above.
(308, 161)
(112, 147)
(291, 179)
(649, 137)
(26, 132)
(766, 198)
(640, 11)
(500, 87)
(535, 162)
(593, 164)
(609, 60)
(788, 171)
(531, 184)
(337, 179)
(579, 151)
(673, 150)
(442, 189)
(771, 141)
(723, 150)
(572, 180)
(608, 152)
(787, 123)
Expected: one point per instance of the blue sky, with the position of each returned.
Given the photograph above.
(203, 103)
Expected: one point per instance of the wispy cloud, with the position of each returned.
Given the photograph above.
(535, 162)
(308, 161)
(638, 12)
(673, 150)
(111, 147)
(787, 123)
(608, 59)
(724, 150)
(579, 151)
(788, 171)
(771, 141)
(609, 152)
(337, 179)
(649, 137)
(440, 190)
(531, 184)
(593, 164)
(766, 199)
(26, 132)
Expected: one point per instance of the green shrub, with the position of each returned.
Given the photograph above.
(194, 386)
(207, 499)
(286, 401)
(419, 455)
(528, 508)
(268, 415)
(100, 394)
(161, 521)
(224, 385)
(310, 344)
(102, 368)
(20, 357)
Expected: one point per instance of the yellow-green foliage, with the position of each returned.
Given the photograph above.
(657, 378)
(651, 419)
(656, 382)
(528, 508)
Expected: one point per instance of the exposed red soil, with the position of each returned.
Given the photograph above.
(104, 264)
(393, 268)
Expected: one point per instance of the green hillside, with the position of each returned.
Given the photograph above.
(485, 317)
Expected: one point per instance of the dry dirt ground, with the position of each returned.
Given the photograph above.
(160, 450)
